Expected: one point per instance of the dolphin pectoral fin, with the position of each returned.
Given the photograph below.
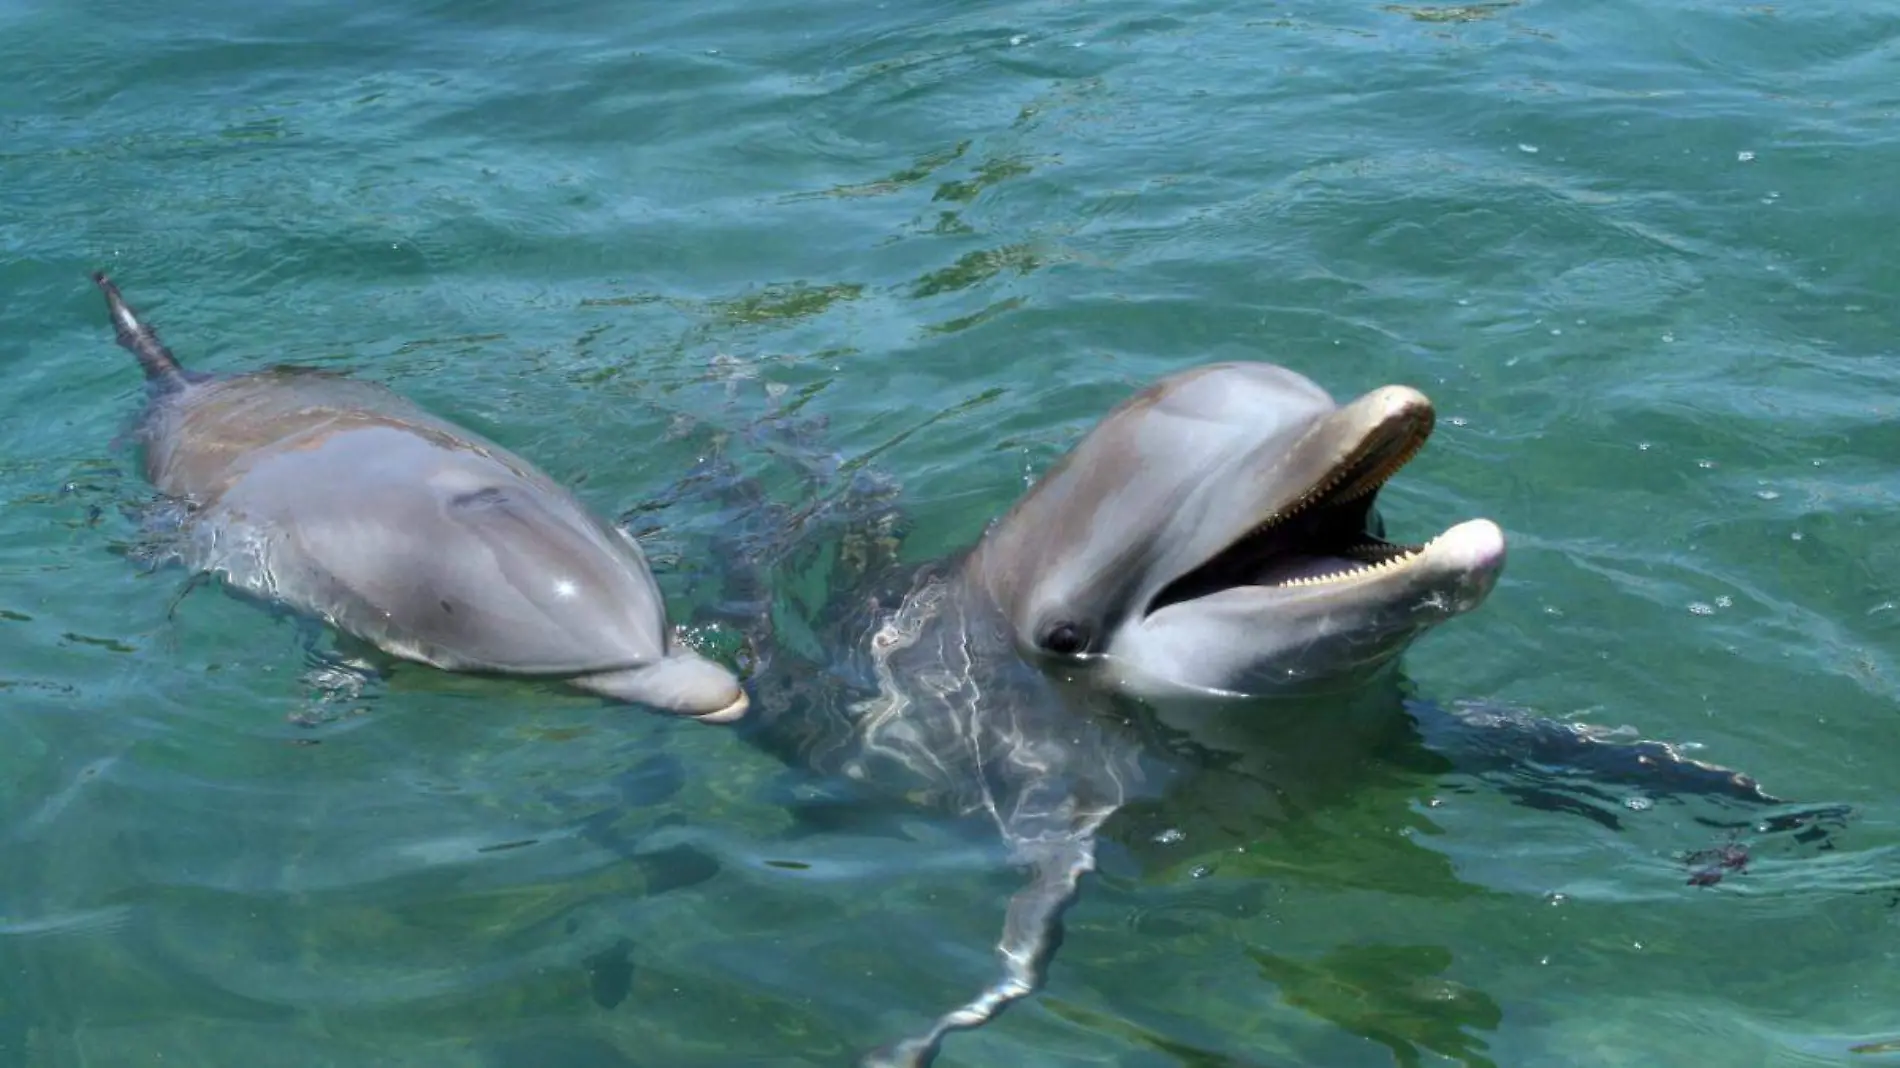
(1585, 770)
(337, 689)
(683, 683)
(1032, 930)
(1482, 737)
(167, 633)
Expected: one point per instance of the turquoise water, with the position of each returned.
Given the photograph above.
(1641, 256)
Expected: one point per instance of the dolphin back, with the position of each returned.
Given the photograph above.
(447, 555)
(457, 556)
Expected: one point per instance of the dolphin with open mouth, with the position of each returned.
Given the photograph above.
(1213, 540)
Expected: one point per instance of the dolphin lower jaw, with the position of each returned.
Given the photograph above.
(1308, 636)
(1466, 555)
(1447, 576)
(679, 684)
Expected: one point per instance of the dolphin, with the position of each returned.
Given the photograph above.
(1212, 538)
(339, 499)
(1210, 544)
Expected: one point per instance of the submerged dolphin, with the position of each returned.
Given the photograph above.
(1212, 538)
(340, 499)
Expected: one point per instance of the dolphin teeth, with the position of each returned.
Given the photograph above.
(1388, 564)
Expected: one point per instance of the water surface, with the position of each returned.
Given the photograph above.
(1641, 255)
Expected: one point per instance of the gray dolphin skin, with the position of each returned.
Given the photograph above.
(338, 498)
(1212, 540)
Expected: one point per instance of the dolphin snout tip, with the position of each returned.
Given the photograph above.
(682, 683)
(732, 713)
(1479, 536)
(1475, 549)
(1400, 401)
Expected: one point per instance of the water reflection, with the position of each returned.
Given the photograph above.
(1397, 996)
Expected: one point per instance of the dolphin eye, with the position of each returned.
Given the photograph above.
(1064, 639)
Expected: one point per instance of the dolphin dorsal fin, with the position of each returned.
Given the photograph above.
(161, 367)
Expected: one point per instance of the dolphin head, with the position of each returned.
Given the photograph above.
(1215, 535)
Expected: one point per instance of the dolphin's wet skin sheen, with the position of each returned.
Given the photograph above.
(339, 499)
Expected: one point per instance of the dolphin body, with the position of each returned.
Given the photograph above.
(338, 498)
(1211, 541)
(1195, 609)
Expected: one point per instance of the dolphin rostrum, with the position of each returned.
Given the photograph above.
(338, 498)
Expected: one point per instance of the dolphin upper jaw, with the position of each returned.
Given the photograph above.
(1346, 455)
(1238, 527)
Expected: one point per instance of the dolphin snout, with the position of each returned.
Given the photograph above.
(1475, 547)
(731, 713)
(682, 683)
(1398, 402)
